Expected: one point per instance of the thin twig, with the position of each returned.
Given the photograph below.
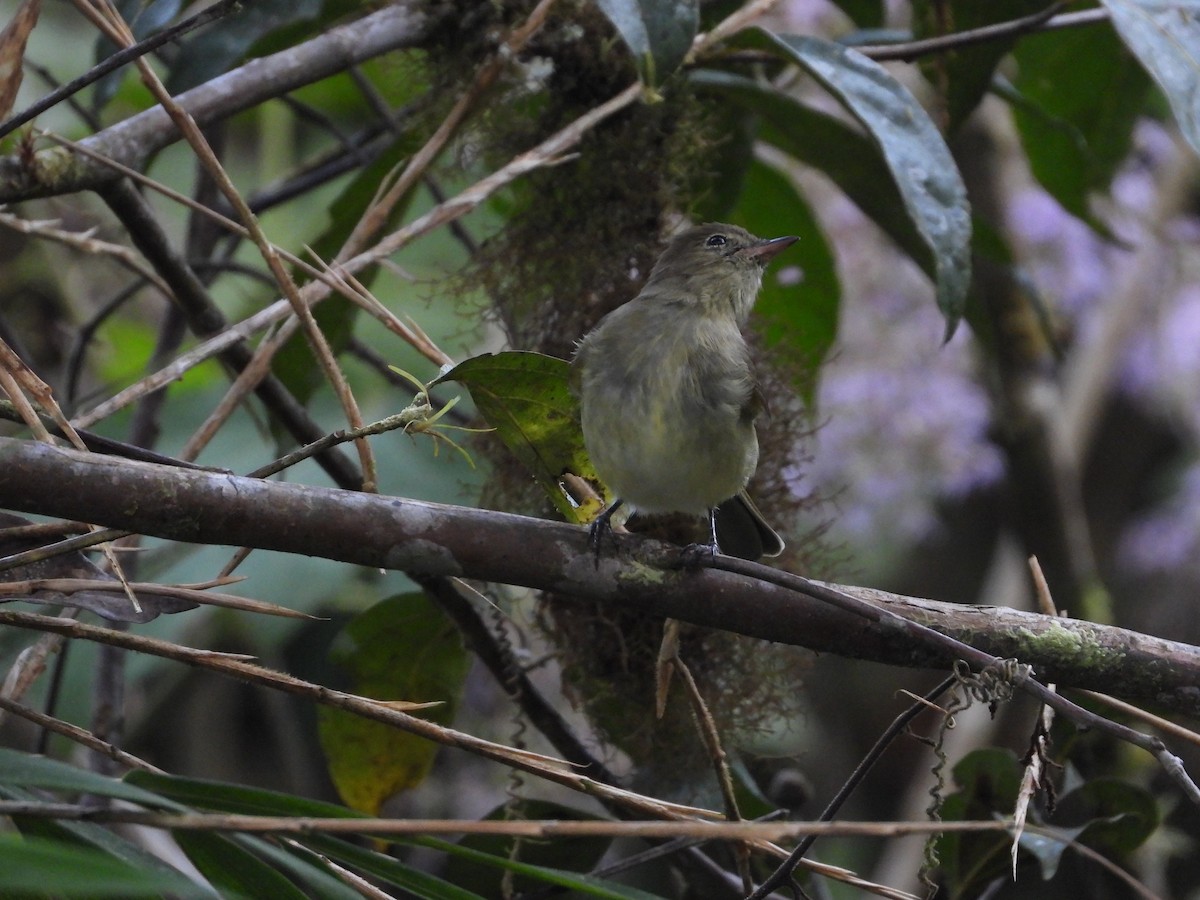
(783, 873)
(116, 60)
(977, 659)
(546, 767)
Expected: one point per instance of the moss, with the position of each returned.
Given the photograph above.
(1079, 644)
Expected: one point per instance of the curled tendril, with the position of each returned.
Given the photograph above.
(419, 418)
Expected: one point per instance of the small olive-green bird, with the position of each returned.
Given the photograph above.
(668, 393)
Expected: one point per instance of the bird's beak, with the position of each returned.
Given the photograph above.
(765, 251)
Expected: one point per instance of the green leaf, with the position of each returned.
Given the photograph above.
(308, 870)
(587, 885)
(231, 868)
(403, 648)
(85, 835)
(801, 314)
(34, 866)
(526, 397)
(220, 796)
(864, 13)
(1165, 37)
(659, 33)
(223, 45)
(574, 855)
(988, 780)
(1078, 94)
(418, 883)
(963, 75)
(26, 770)
(918, 159)
(850, 160)
(1117, 817)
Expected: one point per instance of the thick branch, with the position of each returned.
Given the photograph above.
(432, 539)
(406, 23)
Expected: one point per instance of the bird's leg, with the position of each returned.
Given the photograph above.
(601, 525)
(694, 553)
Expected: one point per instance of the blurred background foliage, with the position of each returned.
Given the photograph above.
(1060, 418)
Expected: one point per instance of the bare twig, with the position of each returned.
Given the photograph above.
(398, 25)
(1044, 20)
(546, 767)
(201, 506)
(116, 60)
(117, 29)
(79, 735)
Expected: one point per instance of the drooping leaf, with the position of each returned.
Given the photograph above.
(403, 648)
(38, 867)
(86, 835)
(27, 770)
(916, 155)
(231, 868)
(220, 796)
(217, 49)
(1078, 94)
(658, 33)
(963, 75)
(988, 781)
(800, 297)
(580, 855)
(585, 885)
(526, 397)
(819, 140)
(1165, 37)
(1116, 817)
(390, 870)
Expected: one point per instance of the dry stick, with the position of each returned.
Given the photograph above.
(206, 318)
(198, 594)
(78, 735)
(1036, 756)
(114, 62)
(544, 154)
(783, 873)
(375, 218)
(1184, 734)
(85, 242)
(538, 764)
(451, 595)
(252, 373)
(976, 658)
(1043, 20)
(14, 370)
(720, 761)
(403, 24)
(83, 541)
(317, 273)
(118, 30)
(533, 828)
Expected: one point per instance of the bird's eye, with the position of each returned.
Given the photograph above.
(717, 240)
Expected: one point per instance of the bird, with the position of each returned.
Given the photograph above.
(667, 391)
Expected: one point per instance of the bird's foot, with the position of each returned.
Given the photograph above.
(601, 526)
